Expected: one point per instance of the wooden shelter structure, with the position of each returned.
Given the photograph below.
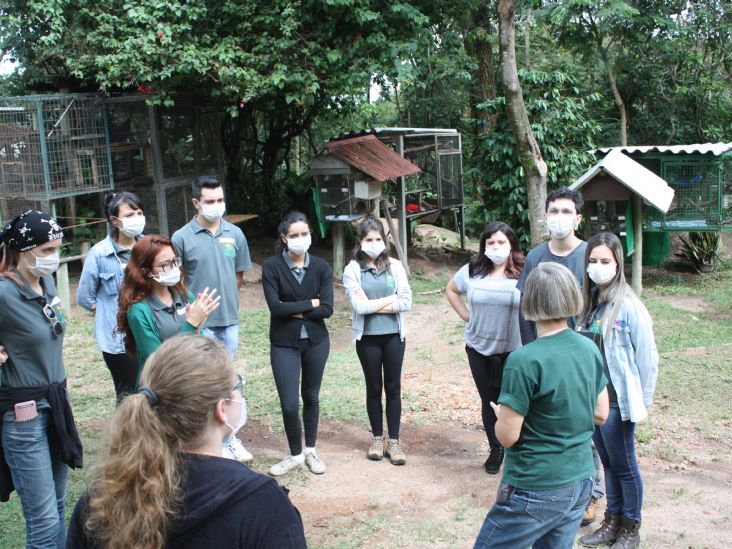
(618, 178)
(349, 176)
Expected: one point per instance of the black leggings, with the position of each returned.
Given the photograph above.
(287, 363)
(124, 373)
(376, 352)
(487, 374)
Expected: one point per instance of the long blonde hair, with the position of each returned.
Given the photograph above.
(614, 293)
(137, 491)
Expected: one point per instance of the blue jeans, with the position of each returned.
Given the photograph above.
(228, 335)
(598, 488)
(615, 442)
(535, 518)
(39, 477)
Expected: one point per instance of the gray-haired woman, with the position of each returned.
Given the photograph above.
(551, 397)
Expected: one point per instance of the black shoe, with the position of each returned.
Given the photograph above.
(493, 463)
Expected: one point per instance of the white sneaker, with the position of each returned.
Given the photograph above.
(314, 463)
(286, 465)
(234, 449)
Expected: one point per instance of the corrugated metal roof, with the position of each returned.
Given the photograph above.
(395, 131)
(716, 149)
(631, 174)
(371, 156)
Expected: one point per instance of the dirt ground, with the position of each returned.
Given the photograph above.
(440, 497)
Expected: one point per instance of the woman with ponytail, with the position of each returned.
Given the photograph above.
(164, 483)
(379, 292)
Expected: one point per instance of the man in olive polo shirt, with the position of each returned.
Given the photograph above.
(214, 254)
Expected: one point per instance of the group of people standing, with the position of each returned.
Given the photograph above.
(542, 384)
(564, 359)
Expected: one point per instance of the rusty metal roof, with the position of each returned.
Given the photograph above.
(716, 149)
(369, 155)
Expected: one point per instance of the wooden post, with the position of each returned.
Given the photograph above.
(637, 272)
(402, 211)
(400, 252)
(339, 246)
(85, 247)
(63, 289)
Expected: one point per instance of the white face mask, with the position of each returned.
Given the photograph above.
(300, 245)
(213, 212)
(170, 278)
(498, 256)
(600, 273)
(242, 418)
(133, 226)
(45, 266)
(373, 249)
(560, 225)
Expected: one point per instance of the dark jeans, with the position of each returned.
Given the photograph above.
(287, 364)
(124, 373)
(382, 353)
(542, 519)
(487, 374)
(615, 442)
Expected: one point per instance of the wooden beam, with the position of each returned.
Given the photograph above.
(637, 268)
(339, 246)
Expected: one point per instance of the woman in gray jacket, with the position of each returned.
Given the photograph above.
(619, 323)
(379, 292)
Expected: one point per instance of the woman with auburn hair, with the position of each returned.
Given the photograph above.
(492, 319)
(163, 482)
(378, 289)
(616, 320)
(154, 305)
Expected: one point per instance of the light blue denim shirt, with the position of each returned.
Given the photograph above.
(99, 285)
(632, 359)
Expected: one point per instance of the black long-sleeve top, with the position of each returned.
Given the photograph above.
(286, 297)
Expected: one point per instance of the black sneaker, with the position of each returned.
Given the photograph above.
(493, 464)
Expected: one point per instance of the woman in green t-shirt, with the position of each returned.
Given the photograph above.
(552, 395)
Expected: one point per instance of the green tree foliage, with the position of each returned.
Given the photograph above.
(561, 120)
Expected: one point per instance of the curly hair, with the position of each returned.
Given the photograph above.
(136, 493)
(137, 284)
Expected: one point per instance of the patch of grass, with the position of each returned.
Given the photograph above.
(425, 291)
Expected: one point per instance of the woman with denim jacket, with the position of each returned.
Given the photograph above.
(379, 292)
(101, 280)
(623, 330)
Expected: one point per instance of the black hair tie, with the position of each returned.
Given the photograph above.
(150, 395)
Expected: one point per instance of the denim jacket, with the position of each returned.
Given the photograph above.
(632, 359)
(363, 307)
(99, 285)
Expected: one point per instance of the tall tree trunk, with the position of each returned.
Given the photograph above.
(478, 44)
(529, 152)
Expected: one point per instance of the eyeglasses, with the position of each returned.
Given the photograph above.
(50, 313)
(166, 266)
(239, 385)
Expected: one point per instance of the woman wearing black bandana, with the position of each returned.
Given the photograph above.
(39, 440)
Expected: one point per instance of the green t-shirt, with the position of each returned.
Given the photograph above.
(377, 285)
(553, 382)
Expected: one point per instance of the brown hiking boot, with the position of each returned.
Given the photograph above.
(376, 450)
(628, 535)
(605, 534)
(590, 512)
(394, 452)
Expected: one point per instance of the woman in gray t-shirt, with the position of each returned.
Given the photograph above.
(491, 314)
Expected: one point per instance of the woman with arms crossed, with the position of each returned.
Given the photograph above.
(298, 288)
(621, 327)
(379, 292)
(492, 319)
(553, 393)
